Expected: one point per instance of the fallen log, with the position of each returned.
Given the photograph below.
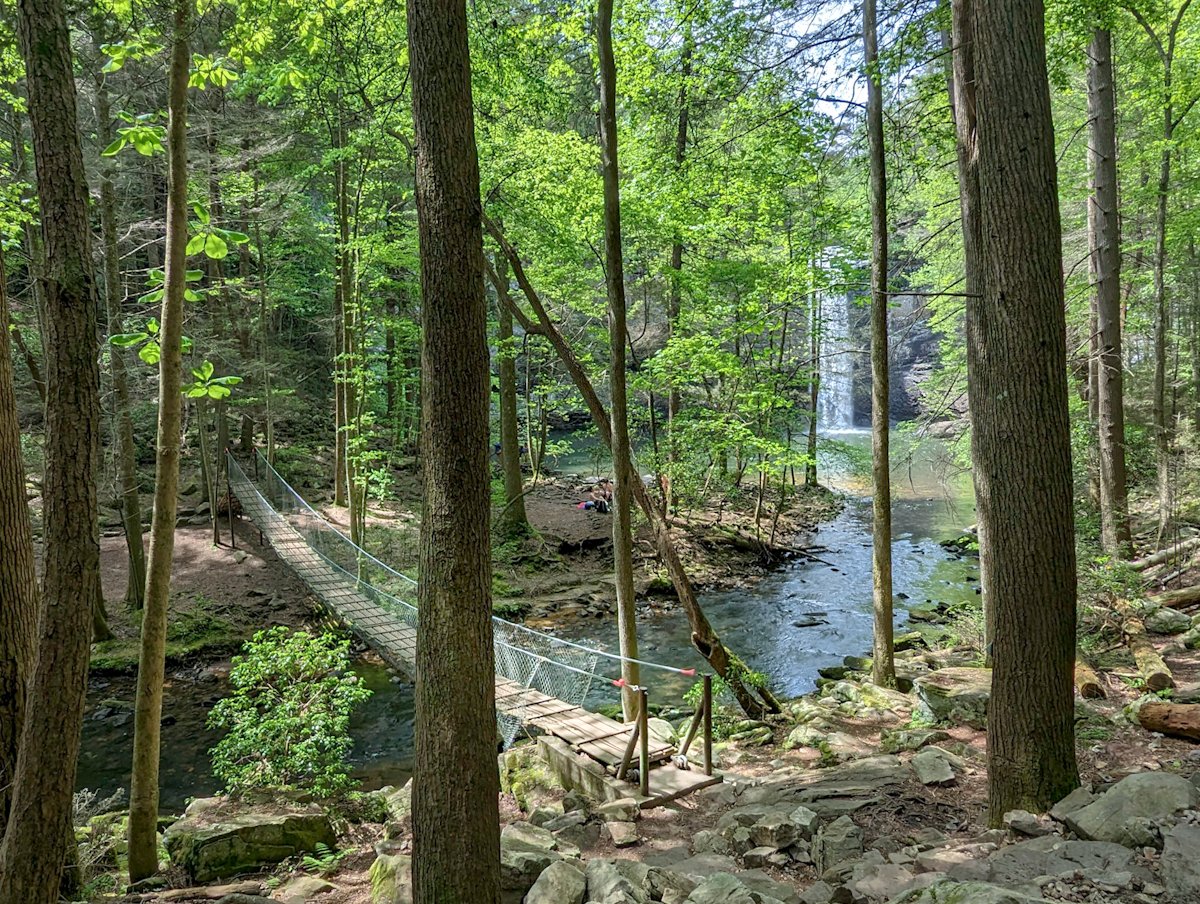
(1165, 555)
(1150, 665)
(1177, 599)
(1087, 681)
(1179, 720)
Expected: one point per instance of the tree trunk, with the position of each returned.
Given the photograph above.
(34, 848)
(1104, 229)
(514, 519)
(675, 300)
(883, 670)
(704, 638)
(1162, 435)
(614, 273)
(131, 507)
(456, 831)
(18, 577)
(814, 381)
(962, 95)
(1087, 681)
(143, 794)
(1023, 443)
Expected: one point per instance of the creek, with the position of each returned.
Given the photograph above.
(795, 620)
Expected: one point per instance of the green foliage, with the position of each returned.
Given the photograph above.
(324, 860)
(288, 715)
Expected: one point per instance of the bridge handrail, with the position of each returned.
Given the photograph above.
(510, 625)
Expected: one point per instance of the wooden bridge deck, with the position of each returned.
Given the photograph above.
(598, 737)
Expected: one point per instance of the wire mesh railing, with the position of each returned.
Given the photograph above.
(379, 603)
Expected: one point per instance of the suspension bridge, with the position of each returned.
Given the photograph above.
(542, 682)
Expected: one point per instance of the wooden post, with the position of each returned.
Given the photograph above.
(692, 729)
(633, 739)
(644, 725)
(708, 724)
(229, 503)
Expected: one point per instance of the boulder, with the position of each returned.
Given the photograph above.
(607, 884)
(1115, 815)
(1161, 620)
(391, 879)
(910, 739)
(303, 890)
(932, 766)
(1022, 822)
(957, 695)
(835, 843)
(623, 834)
(1019, 866)
(1180, 864)
(625, 809)
(215, 838)
(948, 891)
(528, 837)
(559, 883)
(668, 886)
(722, 888)
(1076, 800)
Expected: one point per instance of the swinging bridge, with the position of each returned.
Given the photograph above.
(542, 681)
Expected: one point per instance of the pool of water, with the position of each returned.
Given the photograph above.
(382, 729)
(811, 614)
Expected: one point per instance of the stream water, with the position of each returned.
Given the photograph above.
(811, 614)
(797, 619)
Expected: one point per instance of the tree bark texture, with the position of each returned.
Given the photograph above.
(34, 848)
(883, 670)
(963, 105)
(1105, 263)
(143, 794)
(614, 278)
(1023, 449)
(131, 509)
(456, 834)
(18, 577)
(514, 518)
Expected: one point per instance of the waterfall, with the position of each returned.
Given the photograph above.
(835, 402)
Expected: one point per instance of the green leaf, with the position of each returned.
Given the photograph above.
(215, 247)
(197, 392)
(150, 353)
(230, 235)
(217, 391)
(205, 371)
(196, 244)
(152, 297)
(191, 295)
(152, 326)
(115, 148)
(128, 340)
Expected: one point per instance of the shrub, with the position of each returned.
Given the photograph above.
(289, 714)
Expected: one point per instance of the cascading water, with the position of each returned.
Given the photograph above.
(835, 401)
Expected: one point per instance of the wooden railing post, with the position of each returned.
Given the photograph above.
(632, 743)
(708, 725)
(644, 725)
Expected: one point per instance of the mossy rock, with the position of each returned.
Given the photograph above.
(217, 837)
(391, 879)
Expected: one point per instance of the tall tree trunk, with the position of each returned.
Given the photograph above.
(456, 832)
(962, 89)
(883, 670)
(143, 794)
(1162, 435)
(35, 844)
(18, 578)
(1023, 463)
(814, 378)
(131, 507)
(342, 306)
(614, 277)
(1105, 265)
(514, 520)
(675, 300)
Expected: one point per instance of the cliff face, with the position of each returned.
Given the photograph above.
(914, 358)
